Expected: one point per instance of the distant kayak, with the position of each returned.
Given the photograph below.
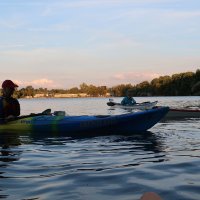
(177, 113)
(138, 106)
(83, 125)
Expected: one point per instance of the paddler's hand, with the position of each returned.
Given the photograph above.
(10, 117)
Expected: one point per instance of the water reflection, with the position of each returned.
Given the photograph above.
(8, 154)
(147, 147)
(146, 141)
(7, 143)
(72, 162)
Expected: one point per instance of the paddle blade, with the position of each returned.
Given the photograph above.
(47, 112)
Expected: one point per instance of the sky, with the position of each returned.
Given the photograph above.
(64, 43)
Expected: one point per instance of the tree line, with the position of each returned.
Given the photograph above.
(182, 84)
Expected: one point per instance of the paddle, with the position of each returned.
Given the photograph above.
(45, 112)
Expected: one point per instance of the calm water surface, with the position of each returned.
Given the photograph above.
(165, 160)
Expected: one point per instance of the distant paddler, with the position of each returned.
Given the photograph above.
(128, 100)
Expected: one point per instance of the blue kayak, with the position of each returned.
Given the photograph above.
(83, 125)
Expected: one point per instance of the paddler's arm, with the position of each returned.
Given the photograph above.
(17, 108)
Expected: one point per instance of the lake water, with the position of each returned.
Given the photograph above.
(165, 160)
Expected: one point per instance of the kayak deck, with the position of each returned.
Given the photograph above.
(137, 106)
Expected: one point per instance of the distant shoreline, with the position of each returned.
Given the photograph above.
(64, 97)
(100, 97)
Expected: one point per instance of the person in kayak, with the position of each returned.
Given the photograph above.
(9, 106)
(128, 100)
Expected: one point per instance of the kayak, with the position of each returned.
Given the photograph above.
(83, 125)
(137, 106)
(175, 113)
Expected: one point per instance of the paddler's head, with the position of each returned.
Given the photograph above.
(8, 88)
(129, 93)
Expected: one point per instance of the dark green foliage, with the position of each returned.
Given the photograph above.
(196, 89)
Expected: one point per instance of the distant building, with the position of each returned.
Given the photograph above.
(39, 95)
(70, 95)
(108, 94)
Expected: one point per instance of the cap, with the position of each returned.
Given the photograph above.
(9, 84)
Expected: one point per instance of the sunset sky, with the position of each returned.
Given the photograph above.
(63, 43)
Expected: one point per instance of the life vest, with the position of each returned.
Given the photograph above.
(1, 111)
(1, 107)
(9, 107)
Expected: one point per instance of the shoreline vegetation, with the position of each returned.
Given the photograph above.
(182, 84)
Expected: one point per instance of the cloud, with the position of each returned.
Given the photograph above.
(112, 39)
(60, 6)
(103, 3)
(157, 13)
(135, 77)
(52, 28)
(13, 22)
(43, 83)
(11, 46)
(183, 14)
